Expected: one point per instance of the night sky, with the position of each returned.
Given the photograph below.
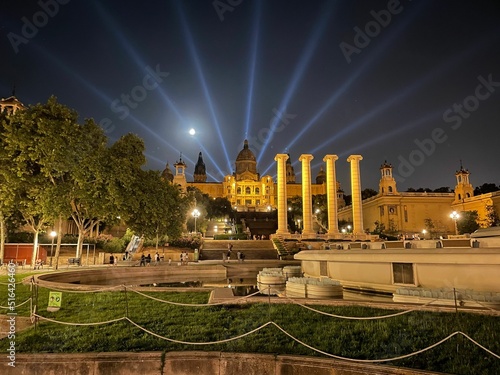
(416, 83)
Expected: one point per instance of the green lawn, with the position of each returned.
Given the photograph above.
(362, 339)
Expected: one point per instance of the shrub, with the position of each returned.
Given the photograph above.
(115, 245)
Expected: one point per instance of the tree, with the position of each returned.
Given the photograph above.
(35, 140)
(468, 222)
(486, 188)
(368, 193)
(492, 219)
(443, 189)
(7, 194)
(379, 227)
(219, 208)
(158, 209)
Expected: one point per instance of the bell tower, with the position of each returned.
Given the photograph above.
(200, 171)
(464, 188)
(180, 174)
(387, 184)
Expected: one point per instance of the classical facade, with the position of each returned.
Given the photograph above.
(411, 212)
(246, 189)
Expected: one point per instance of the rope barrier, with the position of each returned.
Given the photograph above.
(193, 304)
(360, 317)
(282, 330)
(10, 307)
(199, 343)
(17, 283)
(78, 324)
(384, 359)
(82, 291)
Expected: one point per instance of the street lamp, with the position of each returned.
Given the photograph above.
(53, 235)
(196, 215)
(455, 216)
(349, 229)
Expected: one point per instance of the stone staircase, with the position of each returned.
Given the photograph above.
(253, 250)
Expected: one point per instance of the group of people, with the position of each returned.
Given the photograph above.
(227, 256)
(146, 260)
(113, 260)
(184, 258)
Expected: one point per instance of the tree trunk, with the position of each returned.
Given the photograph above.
(59, 241)
(35, 249)
(2, 238)
(79, 247)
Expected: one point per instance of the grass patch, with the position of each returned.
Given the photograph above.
(362, 339)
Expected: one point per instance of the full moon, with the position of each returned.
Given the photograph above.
(192, 131)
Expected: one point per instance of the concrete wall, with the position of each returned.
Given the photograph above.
(463, 268)
(132, 275)
(190, 363)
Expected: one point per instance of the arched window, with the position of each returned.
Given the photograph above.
(247, 190)
(383, 191)
(459, 196)
(257, 191)
(467, 195)
(390, 189)
(238, 191)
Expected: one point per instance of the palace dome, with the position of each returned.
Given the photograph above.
(246, 154)
(246, 164)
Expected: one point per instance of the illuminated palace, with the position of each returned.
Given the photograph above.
(398, 212)
(408, 212)
(246, 189)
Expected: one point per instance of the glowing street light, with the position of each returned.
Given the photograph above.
(196, 215)
(455, 216)
(349, 228)
(53, 235)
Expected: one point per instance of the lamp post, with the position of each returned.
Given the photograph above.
(196, 215)
(349, 229)
(53, 235)
(455, 216)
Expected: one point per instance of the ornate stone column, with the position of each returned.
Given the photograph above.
(307, 231)
(357, 209)
(281, 182)
(331, 195)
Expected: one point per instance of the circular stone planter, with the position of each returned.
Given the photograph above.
(292, 271)
(271, 281)
(304, 287)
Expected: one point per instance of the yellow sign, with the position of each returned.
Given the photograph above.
(55, 299)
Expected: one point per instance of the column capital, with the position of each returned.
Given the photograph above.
(307, 157)
(354, 157)
(281, 157)
(330, 157)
